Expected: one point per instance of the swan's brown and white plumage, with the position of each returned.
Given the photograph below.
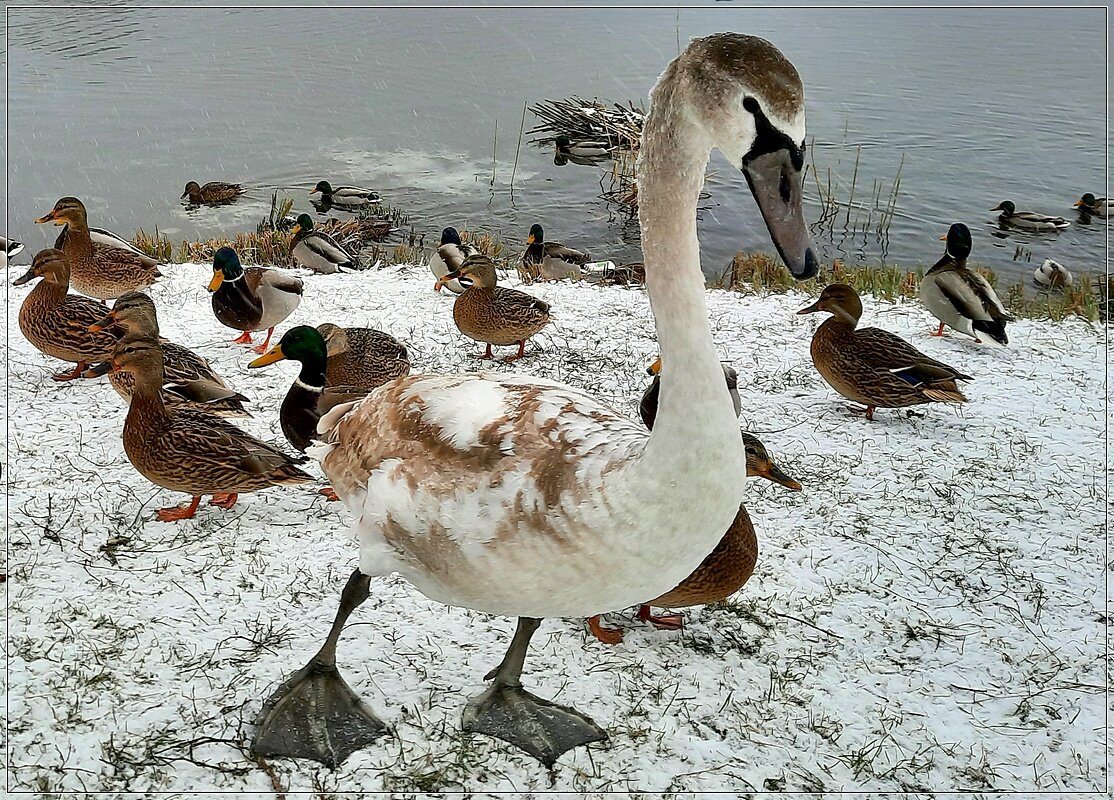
(517, 495)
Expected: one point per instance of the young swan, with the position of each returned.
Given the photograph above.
(872, 366)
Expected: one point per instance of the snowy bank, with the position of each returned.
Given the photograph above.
(928, 614)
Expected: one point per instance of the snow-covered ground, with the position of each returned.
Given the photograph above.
(927, 615)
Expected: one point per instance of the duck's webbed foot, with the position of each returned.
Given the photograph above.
(506, 711)
(666, 622)
(314, 714)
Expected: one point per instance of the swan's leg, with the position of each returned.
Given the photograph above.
(506, 711)
(605, 635)
(243, 338)
(314, 714)
(669, 622)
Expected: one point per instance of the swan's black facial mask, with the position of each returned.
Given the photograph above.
(773, 168)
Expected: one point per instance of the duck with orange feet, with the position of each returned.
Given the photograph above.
(251, 298)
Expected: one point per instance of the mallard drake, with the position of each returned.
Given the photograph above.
(1052, 275)
(103, 272)
(872, 366)
(103, 236)
(345, 197)
(449, 258)
(316, 250)
(960, 297)
(1028, 220)
(520, 496)
(212, 193)
(10, 248)
(583, 148)
(494, 314)
(56, 322)
(1088, 203)
(727, 568)
(190, 380)
(189, 451)
(251, 299)
(550, 261)
(370, 359)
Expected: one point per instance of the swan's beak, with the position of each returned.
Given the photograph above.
(776, 185)
(270, 357)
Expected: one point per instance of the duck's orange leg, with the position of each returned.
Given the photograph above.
(868, 410)
(261, 349)
(69, 376)
(175, 513)
(330, 495)
(521, 352)
(243, 338)
(669, 622)
(939, 331)
(605, 635)
(487, 353)
(224, 500)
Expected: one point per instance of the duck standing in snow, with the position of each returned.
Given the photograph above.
(1052, 275)
(1089, 204)
(872, 366)
(318, 250)
(253, 298)
(1027, 220)
(550, 261)
(345, 198)
(450, 257)
(960, 297)
(520, 496)
(494, 314)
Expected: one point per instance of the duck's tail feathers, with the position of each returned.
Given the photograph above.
(290, 475)
(995, 329)
(943, 394)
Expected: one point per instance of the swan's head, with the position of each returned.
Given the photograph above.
(750, 100)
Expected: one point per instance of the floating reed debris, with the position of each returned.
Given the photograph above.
(620, 126)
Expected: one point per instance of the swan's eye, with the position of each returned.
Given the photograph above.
(783, 187)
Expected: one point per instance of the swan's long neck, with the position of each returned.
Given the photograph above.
(695, 411)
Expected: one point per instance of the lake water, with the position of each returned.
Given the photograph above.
(121, 108)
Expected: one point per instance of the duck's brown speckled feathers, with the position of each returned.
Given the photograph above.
(362, 357)
(495, 314)
(212, 192)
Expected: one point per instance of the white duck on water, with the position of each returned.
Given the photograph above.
(520, 496)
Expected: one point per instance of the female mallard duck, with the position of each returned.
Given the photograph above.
(317, 250)
(370, 359)
(1028, 220)
(189, 451)
(251, 299)
(10, 247)
(1088, 203)
(520, 496)
(494, 314)
(189, 380)
(105, 237)
(872, 366)
(550, 261)
(726, 569)
(961, 298)
(212, 193)
(103, 272)
(344, 197)
(1052, 275)
(449, 258)
(57, 323)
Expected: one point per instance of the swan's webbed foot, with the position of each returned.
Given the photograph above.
(506, 711)
(315, 714)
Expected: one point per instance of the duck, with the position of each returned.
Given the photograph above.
(550, 261)
(1052, 275)
(1028, 220)
(961, 298)
(103, 236)
(212, 193)
(1088, 203)
(10, 248)
(871, 366)
(726, 569)
(450, 257)
(190, 451)
(519, 496)
(344, 197)
(189, 378)
(494, 314)
(583, 148)
(317, 250)
(253, 298)
(58, 323)
(374, 359)
(103, 272)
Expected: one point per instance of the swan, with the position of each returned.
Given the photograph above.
(519, 496)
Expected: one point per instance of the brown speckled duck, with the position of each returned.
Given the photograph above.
(56, 322)
(187, 450)
(212, 193)
(872, 366)
(494, 314)
(98, 270)
(189, 379)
